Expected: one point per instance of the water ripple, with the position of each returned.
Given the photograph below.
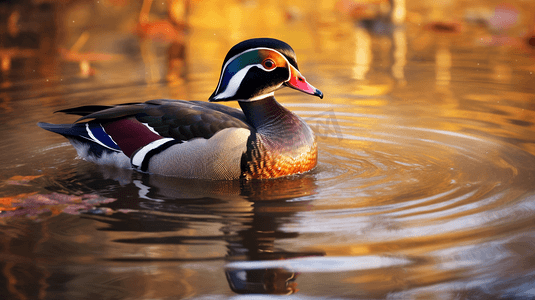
(404, 181)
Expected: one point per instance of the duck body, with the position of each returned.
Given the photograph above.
(206, 140)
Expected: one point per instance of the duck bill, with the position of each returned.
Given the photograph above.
(298, 82)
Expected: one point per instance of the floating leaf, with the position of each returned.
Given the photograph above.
(9, 203)
(33, 205)
(21, 180)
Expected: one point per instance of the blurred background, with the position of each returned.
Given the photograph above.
(426, 176)
(124, 41)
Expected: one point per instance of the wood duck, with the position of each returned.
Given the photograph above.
(205, 140)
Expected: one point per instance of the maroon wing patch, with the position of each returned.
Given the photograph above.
(130, 134)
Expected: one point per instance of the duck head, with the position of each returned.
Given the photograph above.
(255, 68)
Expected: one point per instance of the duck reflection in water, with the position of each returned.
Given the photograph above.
(252, 215)
(255, 245)
(277, 281)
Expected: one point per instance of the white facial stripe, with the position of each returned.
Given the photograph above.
(236, 80)
(234, 83)
(139, 156)
(235, 56)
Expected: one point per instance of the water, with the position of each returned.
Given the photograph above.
(424, 187)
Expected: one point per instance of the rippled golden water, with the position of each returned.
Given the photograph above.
(424, 187)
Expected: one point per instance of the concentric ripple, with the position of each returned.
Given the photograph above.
(402, 181)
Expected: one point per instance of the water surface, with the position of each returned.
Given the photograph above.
(424, 187)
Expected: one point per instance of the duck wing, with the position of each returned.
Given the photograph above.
(177, 119)
(131, 126)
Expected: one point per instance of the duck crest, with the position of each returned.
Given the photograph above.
(283, 144)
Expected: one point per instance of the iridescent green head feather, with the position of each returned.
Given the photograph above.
(256, 68)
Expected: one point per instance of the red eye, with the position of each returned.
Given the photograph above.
(269, 64)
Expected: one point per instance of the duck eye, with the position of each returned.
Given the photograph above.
(269, 64)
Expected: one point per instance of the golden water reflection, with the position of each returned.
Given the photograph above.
(423, 188)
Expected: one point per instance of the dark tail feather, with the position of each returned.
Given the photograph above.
(84, 110)
(78, 133)
(67, 130)
(89, 109)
